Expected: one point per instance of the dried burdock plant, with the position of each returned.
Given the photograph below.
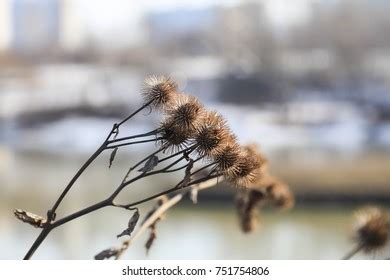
(190, 140)
(159, 91)
(371, 231)
(261, 189)
(164, 203)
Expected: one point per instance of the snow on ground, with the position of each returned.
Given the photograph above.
(338, 127)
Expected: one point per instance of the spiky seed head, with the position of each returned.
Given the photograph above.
(211, 134)
(185, 112)
(227, 156)
(372, 228)
(159, 90)
(246, 170)
(173, 136)
(254, 149)
(280, 195)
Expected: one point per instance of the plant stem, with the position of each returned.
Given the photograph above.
(45, 231)
(135, 113)
(167, 170)
(353, 252)
(177, 187)
(110, 200)
(158, 213)
(51, 214)
(107, 202)
(132, 143)
(203, 168)
(74, 179)
(189, 150)
(41, 237)
(139, 163)
(78, 214)
(151, 133)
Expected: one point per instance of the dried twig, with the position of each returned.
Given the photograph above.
(159, 212)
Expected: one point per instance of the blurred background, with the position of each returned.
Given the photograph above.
(309, 80)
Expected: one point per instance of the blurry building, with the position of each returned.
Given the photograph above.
(5, 25)
(72, 35)
(180, 31)
(36, 26)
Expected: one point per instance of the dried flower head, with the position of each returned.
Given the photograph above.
(184, 112)
(280, 195)
(159, 90)
(212, 134)
(254, 149)
(371, 229)
(246, 169)
(227, 156)
(173, 136)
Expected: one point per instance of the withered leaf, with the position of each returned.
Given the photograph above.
(152, 237)
(187, 175)
(150, 164)
(131, 225)
(106, 254)
(112, 156)
(30, 218)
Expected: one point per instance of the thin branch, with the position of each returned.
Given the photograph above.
(51, 214)
(73, 180)
(171, 190)
(151, 133)
(167, 170)
(158, 213)
(353, 252)
(132, 143)
(203, 168)
(188, 150)
(139, 163)
(136, 112)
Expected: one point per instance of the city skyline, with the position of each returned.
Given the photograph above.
(71, 24)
